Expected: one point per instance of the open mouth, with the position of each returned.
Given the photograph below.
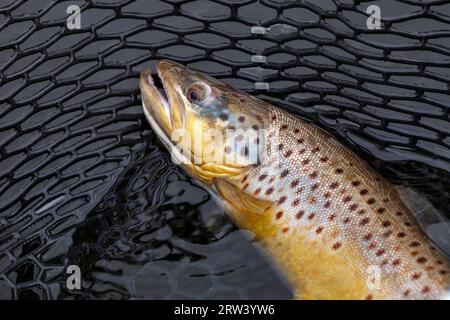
(161, 95)
(157, 110)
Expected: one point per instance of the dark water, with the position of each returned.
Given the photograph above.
(159, 235)
(84, 181)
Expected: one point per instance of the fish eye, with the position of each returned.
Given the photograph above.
(193, 95)
(197, 93)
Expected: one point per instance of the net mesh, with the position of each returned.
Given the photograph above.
(83, 180)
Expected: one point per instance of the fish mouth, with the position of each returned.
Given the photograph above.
(155, 103)
(162, 106)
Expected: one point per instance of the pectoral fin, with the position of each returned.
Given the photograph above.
(247, 211)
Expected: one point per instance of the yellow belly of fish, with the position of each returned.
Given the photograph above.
(317, 273)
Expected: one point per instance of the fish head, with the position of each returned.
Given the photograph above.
(210, 128)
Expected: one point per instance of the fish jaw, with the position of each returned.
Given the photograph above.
(157, 111)
(156, 106)
(170, 74)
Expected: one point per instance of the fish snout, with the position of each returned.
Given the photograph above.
(155, 104)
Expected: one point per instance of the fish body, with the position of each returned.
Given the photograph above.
(333, 227)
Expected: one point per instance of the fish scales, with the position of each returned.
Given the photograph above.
(333, 227)
(337, 220)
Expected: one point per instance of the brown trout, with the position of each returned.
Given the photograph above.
(334, 228)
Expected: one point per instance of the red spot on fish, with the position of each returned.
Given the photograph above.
(269, 191)
(295, 202)
(245, 186)
(414, 244)
(396, 262)
(367, 237)
(356, 183)
(300, 190)
(262, 177)
(416, 275)
(301, 151)
(401, 234)
(331, 217)
(386, 223)
(284, 127)
(347, 199)
(300, 141)
(294, 183)
(327, 204)
(280, 146)
(334, 185)
(399, 213)
(305, 162)
(346, 220)
(285, 229)
(426, 289)
(316, 149)
(363, 192)
(288, 153)
(369, 297)
(324, 159)
(371, 201)
(284, 173)
(380, 252)
(337, 245)
(339, 171)
(353, 207)
(364, 221)
(407, 224)
(315, 187)
(300, 214)
(257, 191)
(296, 130)
(311, 216)
(327, 195)
(372, 245)
(313, 175)
(387, 233)
(319, 230)
(406, 293)
(282, 200)
(381, 210)
(279, 215)
(361, 212)
(421, 260)
(245, 178)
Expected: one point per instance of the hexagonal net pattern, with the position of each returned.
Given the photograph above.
(84, 181)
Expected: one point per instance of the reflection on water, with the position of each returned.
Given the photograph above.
(159, 235)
